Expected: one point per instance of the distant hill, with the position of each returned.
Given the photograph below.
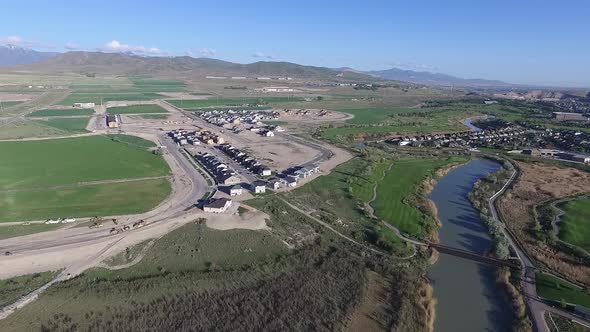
(119, 63)
(434, 79)
(11, 55)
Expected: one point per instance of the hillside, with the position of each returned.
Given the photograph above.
(11, 55)
(435, 79)
(119, 63)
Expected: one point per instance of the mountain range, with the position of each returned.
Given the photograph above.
(434, 79)
(122, 63)
(11, 55)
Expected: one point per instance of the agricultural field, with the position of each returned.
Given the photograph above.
(22, 230)
(132, 140)
(34, 171)
(25, 128)
(136, 109)
(574, 226)
(33, 164)
(107, 95)
(375, 115)
(83, 201)
(67, 125)
(9, 103)
(230, 101)
(14, 288)
(557, 289)
(154, 116)
(61, 112)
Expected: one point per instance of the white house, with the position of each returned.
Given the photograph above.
(259, 187)
(266, 172)
(291, 181)
(218, 206)
(275, 184)
(236, 190)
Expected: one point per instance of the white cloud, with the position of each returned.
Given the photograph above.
(11, 40)
(207, 52)
(72, 46)
(116, 46)
(413, 66)
(262, 55)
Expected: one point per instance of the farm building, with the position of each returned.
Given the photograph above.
(277, 89)
(84, 105)
(219, 205)
(236, 190)
(113, 121)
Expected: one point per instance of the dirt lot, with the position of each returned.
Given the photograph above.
(279, 154)
(539, 183)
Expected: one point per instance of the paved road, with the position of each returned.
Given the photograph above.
(535, 305)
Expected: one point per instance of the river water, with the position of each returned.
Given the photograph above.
(469, 299)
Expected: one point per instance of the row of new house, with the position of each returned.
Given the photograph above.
(275, 183)
(244, 159)
(223, 173)
(460, 139)
(236, 117)
(183, 137)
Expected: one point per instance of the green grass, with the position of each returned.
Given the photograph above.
(396, 192)
(68, 125)
(336, 197)
(574, 227)
(34, 164)
(147, 84)
(95, 97)
(375, 115)
(22, 230)
(84, 201)
(132, 140)
(61, 112)
(10, 103)
(195, 103)
(135, 109)
(14, 288)
(557, 289)
(154, 116)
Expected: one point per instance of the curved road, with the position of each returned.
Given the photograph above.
(536, 307)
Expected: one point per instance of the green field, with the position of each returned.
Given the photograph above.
(136, 109)
(110, 95)
(9, 103)
(83, 201)
(574, 226)
(22, 230)
(61, 112)
(148, 84)
(399, 189)
(375, 115)
(336, 197)
(154, 116)
(14, 288)
(557, 289)
(67, 125)
(132, 140)
(196, 103)
(33, 164)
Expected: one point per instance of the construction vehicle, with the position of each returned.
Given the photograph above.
(117, 230)
(139, 224)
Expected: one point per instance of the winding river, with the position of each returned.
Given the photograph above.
(469, 299)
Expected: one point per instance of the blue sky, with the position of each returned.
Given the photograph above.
(532, 42)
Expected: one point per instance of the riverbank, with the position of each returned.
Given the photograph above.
(466, 292)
